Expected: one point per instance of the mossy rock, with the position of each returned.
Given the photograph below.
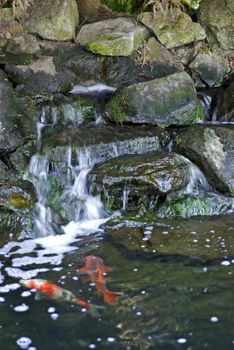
(166, 101)
(204, 204)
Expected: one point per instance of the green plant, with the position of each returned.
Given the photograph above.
(164, 6)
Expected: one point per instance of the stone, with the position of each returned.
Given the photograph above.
(202, 204)
(136, 181)
(88, 8)
(173, 30)
(211, 69)
(113, 37)
(190, 241)
(212, 149)
(23, 44)
(41, 76)
(166, 101)
(17, 194)
(216, 16)
(54, 19)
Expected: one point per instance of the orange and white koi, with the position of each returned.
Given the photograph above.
(48, 290)
(96, 271)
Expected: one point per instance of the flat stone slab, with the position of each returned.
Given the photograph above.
(173, 31)
(171, 100)
(113, 37)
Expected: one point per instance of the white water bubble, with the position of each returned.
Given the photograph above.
(24, 342)
(135, 270)
(214, 319)
(21, 308)
(92, 346)
(54, 316)
(225, 263)
(182, 340)
(110, 339)
(2, 300)
(26, 294)
(75, 278)
(165, 232)
(51, 310)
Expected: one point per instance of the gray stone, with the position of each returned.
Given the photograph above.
(136, 181)
(210, 68)
(166, 101)
(173, 30)
(54, 19)
(212, 149)
(23, 43)
(217, 17)
(41, 76)
(114, 37)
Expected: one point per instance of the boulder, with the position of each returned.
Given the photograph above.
(113, 37)
(217, 17)
(173, 30)
(136, 181)
(166, 101)
(41, 76)
(212, 149)
(54, 19)
(210, 68)
(23, 44)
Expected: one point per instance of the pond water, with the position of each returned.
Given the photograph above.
(176, 275)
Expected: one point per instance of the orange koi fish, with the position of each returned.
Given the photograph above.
(49, 290)
(96, 270)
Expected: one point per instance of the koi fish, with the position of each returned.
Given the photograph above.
(48, 290)
(96, 270)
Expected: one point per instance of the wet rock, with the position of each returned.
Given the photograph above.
(17, 195)
(67, 111)
(226, 110)
(101, 142)
(210, 68)
(212, 149)
(167, 101)
(54, 19)
(16, 202)
(192, 241)
(41, 76)
(136, 181)
(217, 17)
(202, 204)
(173, 30)
(114, 37)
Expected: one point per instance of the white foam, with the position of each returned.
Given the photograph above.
(96, 88)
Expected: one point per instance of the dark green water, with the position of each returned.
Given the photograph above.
(171, 301)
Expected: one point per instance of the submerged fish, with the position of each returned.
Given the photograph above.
(48, 290)
(96, 270)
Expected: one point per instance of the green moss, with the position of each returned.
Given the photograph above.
(117, 112)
